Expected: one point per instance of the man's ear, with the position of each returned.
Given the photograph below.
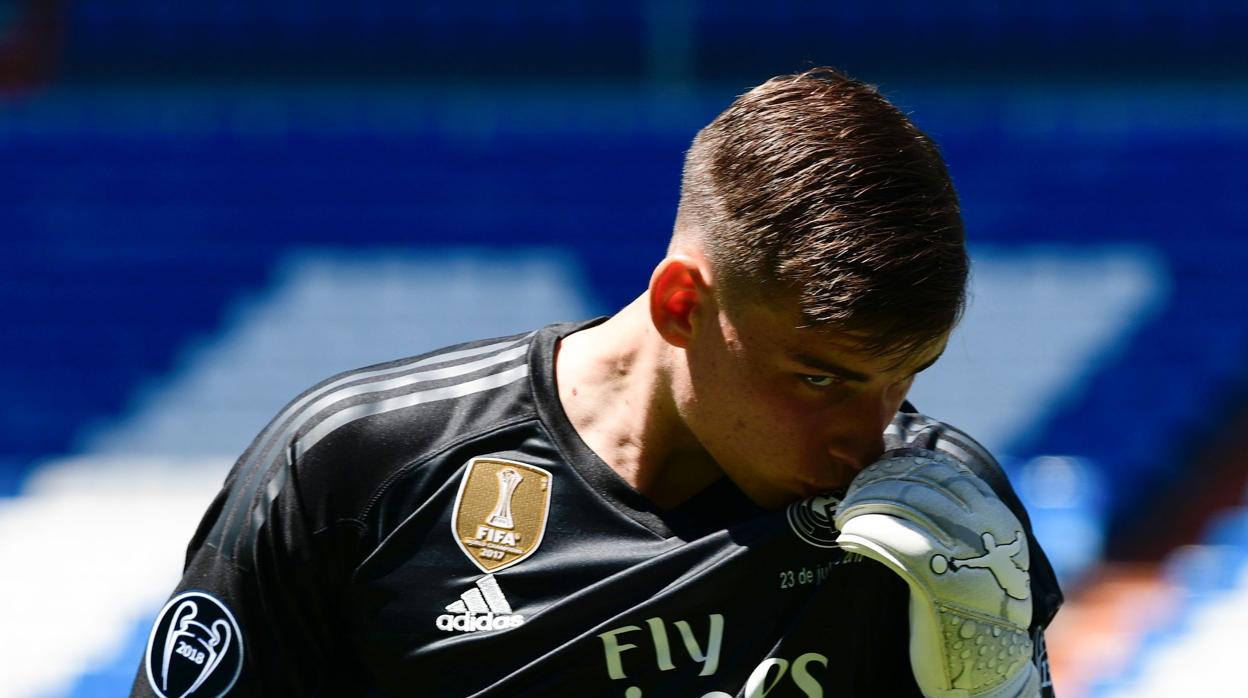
(678, 291)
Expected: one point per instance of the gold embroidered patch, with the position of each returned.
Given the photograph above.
(500, 512)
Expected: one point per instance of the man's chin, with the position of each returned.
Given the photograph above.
(779, 498)
(773, 499)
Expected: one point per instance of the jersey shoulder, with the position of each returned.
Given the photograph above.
(325, 456)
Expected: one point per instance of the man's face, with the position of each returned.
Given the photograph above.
(789, 413)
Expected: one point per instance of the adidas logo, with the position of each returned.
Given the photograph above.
(482, 607)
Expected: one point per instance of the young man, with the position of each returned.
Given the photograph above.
(658, 503)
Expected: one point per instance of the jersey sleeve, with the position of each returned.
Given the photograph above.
(254, 613)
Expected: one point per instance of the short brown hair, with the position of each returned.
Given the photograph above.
(815, 184)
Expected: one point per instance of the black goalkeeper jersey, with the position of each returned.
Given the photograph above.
(435, 527)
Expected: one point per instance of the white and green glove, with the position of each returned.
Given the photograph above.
(964, 555)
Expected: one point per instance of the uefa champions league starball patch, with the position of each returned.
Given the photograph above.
(196, 648)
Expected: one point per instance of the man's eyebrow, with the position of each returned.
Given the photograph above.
(835, 369)
(831, 368)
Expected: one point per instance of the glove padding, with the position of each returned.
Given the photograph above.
(964, 555)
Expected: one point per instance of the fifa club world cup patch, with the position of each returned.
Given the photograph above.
(500, 512)
(195, 648)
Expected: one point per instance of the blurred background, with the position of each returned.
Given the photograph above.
(207, 207)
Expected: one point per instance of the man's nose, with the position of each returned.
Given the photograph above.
(862, 443)
(865, 450)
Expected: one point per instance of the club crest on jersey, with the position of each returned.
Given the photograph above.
(500, 512)
(812, 520)
(195, 648)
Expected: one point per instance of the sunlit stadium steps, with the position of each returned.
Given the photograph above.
(99, 539)
(330, 311)
(1101, 627)
(1200, 650)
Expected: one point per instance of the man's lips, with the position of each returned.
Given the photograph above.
(815, 489)
(834, 480)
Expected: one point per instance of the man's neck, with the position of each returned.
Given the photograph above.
(614, 384)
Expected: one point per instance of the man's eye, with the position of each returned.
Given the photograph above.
(821, 381)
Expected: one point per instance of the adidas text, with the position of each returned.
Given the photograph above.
(472, 622)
